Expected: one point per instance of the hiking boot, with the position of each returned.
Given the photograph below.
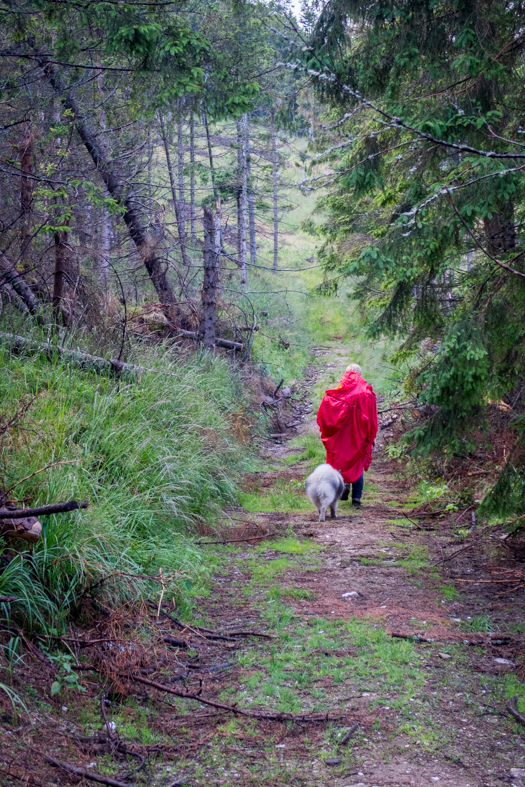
(346, 492)
(356, 503)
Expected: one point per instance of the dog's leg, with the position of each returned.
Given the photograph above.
(322, 513)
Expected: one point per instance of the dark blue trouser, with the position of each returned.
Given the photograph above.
(357, 487)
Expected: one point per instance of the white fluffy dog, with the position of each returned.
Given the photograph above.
(324, 487)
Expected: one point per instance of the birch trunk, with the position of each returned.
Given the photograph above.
(209, 284)
(275, 180)
(176, 204)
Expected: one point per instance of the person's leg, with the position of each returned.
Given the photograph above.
(357, 490)
(346, 492)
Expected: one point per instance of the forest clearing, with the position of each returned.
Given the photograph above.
(221, 225)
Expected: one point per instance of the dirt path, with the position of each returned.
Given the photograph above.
(426, 707)
(428, 712)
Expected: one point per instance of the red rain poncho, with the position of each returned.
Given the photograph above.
(347, 419)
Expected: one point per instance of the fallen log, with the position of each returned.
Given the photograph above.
(85, 361)
(52, 508)
(95, 364)
(28, 528)
(196, 336)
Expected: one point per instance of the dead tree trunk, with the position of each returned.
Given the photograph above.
(26, 192)
(104, 236)
(59, 276)
(180, 172)
(155, 266)
(251, 198)
(243, 200)
(192, 177)
(275, 180)
(209, 284)
(218, 230)
(176, 203)
(218, 239)
(14, 279)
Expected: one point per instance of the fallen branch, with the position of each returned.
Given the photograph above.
(177, 643)
(411, 637)
(252, 714)
(458, 552)
(513, 710)
(239, 540)
(54, 508)
(7, 599)
(209, 633)
(91, 775)
(346, 737)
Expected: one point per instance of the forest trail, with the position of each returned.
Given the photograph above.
(336, 593)
(290, 647)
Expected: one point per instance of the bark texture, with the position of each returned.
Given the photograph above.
(243, 199)
(26, 191)
(209, 284)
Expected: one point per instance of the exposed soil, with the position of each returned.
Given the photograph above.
(353, 583)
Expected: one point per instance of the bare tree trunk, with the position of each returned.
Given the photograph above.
(155, 266)
(218, 230)
(59, 276)
(15, 279)
(243, 201)
(192, 177)
(209, 284)
(251, 199)
(210, 155)
(180, 168)
(176, 203)
(275, 180)
(26, 192)
(218, 239)
(105, 244)
(105, 224)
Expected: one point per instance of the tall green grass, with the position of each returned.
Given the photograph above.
(154, 458)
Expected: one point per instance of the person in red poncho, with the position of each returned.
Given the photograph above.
(347, 419)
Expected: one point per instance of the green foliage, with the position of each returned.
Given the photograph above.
(66, 678)
(153, 458)
(420, 228)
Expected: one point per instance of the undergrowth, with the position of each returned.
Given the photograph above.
(154, 458)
